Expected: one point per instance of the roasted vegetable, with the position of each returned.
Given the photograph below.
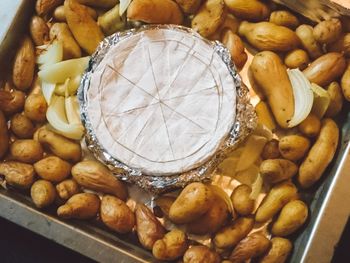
(39, 31)
(26, 151)
(308, 41)
(4, 135)
(241, 201)
(67, 188)
(21, 126)
(253, 10)
(43, 193)
(294, 147)
(284, 18)
(19, 175)
(201, 254)
(328, 31)
(277, 170)
(35, 107)
(80, 206)
(279, 251)
(53, 169)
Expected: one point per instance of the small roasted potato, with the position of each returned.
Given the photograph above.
(26, 151)
(201, 254)
(252, 246)
(95, 176)
(172, 246)
(148, 228)
(284, 18)
(39, 31)
(262, 110)
(279, 251)
(277, 170)
(336, 99)
(62, 147)
(341, 45)
(189, 6)
(60, 16)
(4, 135)
(61, 32)
(53, 169)
(164, 203)
(11, 101)
(99, 3)
(43, 7)
(43, 193)
(291, 218)
(209, 17)
(230, 235)
(193, 202)
(24, 64)
(155, 11)
(230, 23)
(278, 196)
(252, 10)
(22, 126)
(67, 188)
(345, 83)
(308, 41)
(271, 150)
(297, 58)
(35, 107)
(235, 45)
(241, 201)
(111, 21)
(294, 147)
(83, 27)
(19, 175)
(116, 215)
(310, 126)
(80, 206)
(328, 31)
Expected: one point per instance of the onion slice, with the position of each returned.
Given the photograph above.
(321, 100)
(123, 5)
(52, 55)
(48, 89)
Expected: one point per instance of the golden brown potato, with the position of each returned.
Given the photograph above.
(95, 176)
(43, 193)
(26, 151)
(201, 254)
(241, 201)
(209, 17)
(155, 11)
(53, 169)
(4, 135)
(235, 45)
(172, 246)
(284, 18)
(291, 218)
(80, 206)
(230, 235)
(328, 31)
(24, 64)
(189, 6)
(193, 202)
(164, 203)
(262, 110)
(11, 101)
(62, 147)
(278, 196)
(294, 147)
(148, 228)
(310, 126)
(252, 246)
(61, 32)
(230, 23)
(326, 69)
(21, 126)
(19, 175)
(111, 22)
(336, 99)
(67, 188)
(84, 28)
(297, 58)
(309, 43)
(43, 7)
(35, 107)
(271, 150)
(252, 10)
(277, 170)
(320, 154)
(268, 36)
(39, 31)
(116, 215)
(279, 251)
(345, 83)
(60, 16)
(99, 3)
(341, 45)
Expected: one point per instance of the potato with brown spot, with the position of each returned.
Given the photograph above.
(252, 10)
(11, 101)
(277, 170)
(241, 201)
(270, 150)
(297, 58)
(80, 206)
(53, 169)
(4, 135)
(310, 126)
(284, 18)
(279, 251)
(67, 188)
(43, 193)
(294, 147)
(308, 41)
(26, 151)
(39, 31)
(328, 31)
(35, 107)
(201, 254)
(22, 126)
(235, 45)
(19, 175)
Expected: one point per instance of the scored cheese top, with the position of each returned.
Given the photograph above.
(162, 101)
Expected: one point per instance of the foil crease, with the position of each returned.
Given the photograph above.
(244, 123)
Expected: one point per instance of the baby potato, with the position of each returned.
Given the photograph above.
(345, 83)
(230, 235)
(291, 218)
(235, 45)
(189, 6)
(19, 175)
(241, 201)
(294, 147)
(230, 23)
(80, 206)
(43, 193)
(4, 135)
(172, 246)
(193, 202)
(53, 169)
(43, 7)
(148, 228)
(271, 150)
(60, 16)
(116, 215)
(277, 170)
(111, 21)
(99, 3)
(336, 99)
(279, 251)
(201, 254)
(67, 188)
(164, 202)
(341, 45)
(328, 31)
(310, 126)
(39, 31)
(22, 126)
(308, 41)
(35, 107)
(297, 58)
(278, 196)
(26, 151)
(262, 110)
(11, 101)
(252, 10)
(284, 18)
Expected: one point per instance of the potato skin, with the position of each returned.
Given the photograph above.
(99, 3)
(164, 203)
(67, 188)
(194, 201)
(271, 150)
(189, 6)
(19, 175)
(230, 23)
(80, 206)
(277, 170)
(262, 110)
(148, 228)
(116, 215)
(341, 45)
(320, 154)
(26, 151)
(251, 10)
(310, 126)
(235, 45)
(337, 99)
(60, 16)
(4, 135)
(43, 193)
(11, 101)
(53, 169)
(309, 43)
(172, 246)
(297, 58)
(293, 147)
(345, 83)
(279, 251)
(111, 22)
(43, 7)
(284, 18)
(328, 31)
(39, 31)
(291, 218)
(200, 254)
(241, 201)
(35, 107)
(22, 126)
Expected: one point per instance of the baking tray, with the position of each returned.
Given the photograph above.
(329, 200)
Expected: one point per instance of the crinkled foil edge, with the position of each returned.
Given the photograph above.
(244, 123)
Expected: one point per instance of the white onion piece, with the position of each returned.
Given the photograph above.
(52, 55)
(123, 5)
(72, 110)
(48, 89)
(321, 100)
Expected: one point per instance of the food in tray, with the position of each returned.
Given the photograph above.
(299, 77)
